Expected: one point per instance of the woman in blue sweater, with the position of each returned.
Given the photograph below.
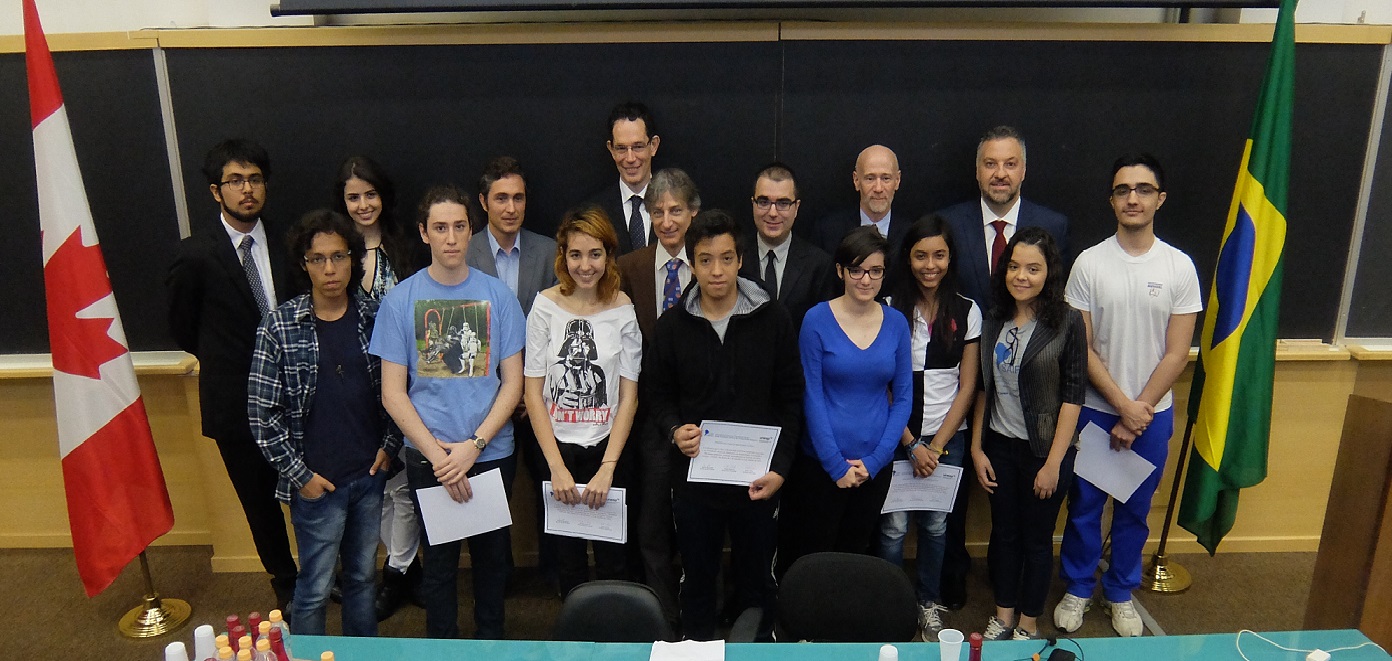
(856, 360)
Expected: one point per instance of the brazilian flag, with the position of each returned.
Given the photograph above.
(1230, 400)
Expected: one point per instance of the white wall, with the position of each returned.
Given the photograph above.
(64, 16)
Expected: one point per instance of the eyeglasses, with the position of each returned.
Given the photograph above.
(1123, 191)
(782, 203)
(338, 259)
(637, 148)
(856, 273)
(256, 181)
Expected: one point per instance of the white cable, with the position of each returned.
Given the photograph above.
(1237, 642)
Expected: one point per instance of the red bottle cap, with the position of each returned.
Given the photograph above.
(976, 640)
(275, 634)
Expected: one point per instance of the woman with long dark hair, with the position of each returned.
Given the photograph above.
(1033, 379)
(946, 328)
(363, 192)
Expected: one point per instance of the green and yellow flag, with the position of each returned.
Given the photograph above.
(1230, 400)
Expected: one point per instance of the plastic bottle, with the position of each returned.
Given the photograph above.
(326, 656)
(225, 653)
(243, 655)
(253, 622)
(889, 653)
(279, 621)
(278, 645)
(204, 645)
(974, 647)
(245, 644)
(264, 630)
(233, 622)
(263, 651)
(236, 634)
(222, 641)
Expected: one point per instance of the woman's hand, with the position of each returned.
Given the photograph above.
(925, 460)
(854, 476)
(597, 489)
(1046, 480)
(985, 474)
(563, 486)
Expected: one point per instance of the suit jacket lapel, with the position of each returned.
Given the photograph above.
(1040, 338)
(794, 275)
(227, 255)
(975, 245)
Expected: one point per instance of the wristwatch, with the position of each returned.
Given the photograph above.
(478, 442)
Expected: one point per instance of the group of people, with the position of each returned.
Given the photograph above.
(959, 338)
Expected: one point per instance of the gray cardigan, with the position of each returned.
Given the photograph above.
(1053, 372)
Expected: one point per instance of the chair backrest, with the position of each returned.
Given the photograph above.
(611, 612)
(846, 597)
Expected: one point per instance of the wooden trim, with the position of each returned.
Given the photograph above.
(64, 540)
(1373, 352)
(86, 41)
(465, 34)
(147, 363)
(1188, 32)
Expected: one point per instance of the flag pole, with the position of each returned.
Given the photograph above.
(1161, 575)
(156, 616)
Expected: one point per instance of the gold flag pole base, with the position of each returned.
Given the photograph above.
(156, 616)
(1166, 577)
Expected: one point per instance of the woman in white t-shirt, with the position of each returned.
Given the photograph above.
(582, 361)
(946, 327)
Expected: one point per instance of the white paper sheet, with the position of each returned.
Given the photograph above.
(448, 521)
(609, 523)
(1117, 472)
(907, 493)
(733, 453)
(688, 650)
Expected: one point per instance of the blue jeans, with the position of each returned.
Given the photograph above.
(1082, 536)
(932, 530)
(342, 524)
(491, 553)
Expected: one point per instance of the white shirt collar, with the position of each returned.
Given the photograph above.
(258, 232)
(661, 259)
(1011, 217)
(780, 251)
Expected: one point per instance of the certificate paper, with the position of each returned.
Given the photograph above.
(448, 521)
(688, 650)
(733, 453)
(606, 524)
(1117, 472)
(935, 493)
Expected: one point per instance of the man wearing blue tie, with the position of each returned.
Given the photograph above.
(981, 228)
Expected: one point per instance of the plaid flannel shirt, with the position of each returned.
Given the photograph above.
(280, 389)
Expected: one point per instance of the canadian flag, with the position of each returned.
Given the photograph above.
(117, 500)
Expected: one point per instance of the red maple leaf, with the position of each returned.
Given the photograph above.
(75, 278)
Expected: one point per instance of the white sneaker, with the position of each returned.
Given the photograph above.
(997, 630)
(1125, 620)
(1021, 634)
(1068, 614)
(930, 621)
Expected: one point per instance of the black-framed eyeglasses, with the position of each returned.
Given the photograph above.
(856, 272)
(338, 259)
(256, 181)
(782, 203)
(1122, 191)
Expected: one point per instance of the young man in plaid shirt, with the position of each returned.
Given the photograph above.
(316, 412)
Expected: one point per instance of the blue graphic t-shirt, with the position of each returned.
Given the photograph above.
(451, 339)
(1008, 415)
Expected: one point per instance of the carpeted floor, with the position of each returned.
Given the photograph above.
(50, 618)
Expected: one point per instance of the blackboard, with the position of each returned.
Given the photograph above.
(113, 107)
(1370, 313)
(438, 113)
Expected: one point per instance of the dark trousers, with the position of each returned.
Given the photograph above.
(572, 561)
(490, 553)
(956, 561)
(525, 441)
(1021, 554)
(821, 516)
(255, 482)
(701, 529)
(656, 536)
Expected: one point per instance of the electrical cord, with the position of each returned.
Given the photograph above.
(1238, 643)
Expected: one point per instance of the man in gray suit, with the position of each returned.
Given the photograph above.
(525, 261)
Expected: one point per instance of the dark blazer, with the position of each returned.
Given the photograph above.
(538, 268)
(969, 243)
(808, 278)
(608, 199)
(828, 231)
(1053, 372)
(213, 315)
(636, 270)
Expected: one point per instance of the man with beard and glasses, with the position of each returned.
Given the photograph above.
(221, 283)
(981, 228)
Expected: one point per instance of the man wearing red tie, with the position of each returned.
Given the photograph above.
(980, 230)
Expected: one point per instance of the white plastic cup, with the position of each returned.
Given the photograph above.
(889, 653)
(176, 651)
(204, 643)
(950, 644)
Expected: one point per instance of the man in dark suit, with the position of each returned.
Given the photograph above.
(633, 143)
(791, 269)
(876, 178)
(654, 278)
(997, 214)
(222, 281)
(526, 262)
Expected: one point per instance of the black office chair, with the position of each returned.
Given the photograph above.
(846, 598)
(611, 612)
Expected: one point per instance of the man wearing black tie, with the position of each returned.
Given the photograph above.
(792, 270)
(981, 228)
(633, 143)
(222, 281)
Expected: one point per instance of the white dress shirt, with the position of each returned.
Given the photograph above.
(1011, 218)
(259, 254)
(627, 206)
(882, 224)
